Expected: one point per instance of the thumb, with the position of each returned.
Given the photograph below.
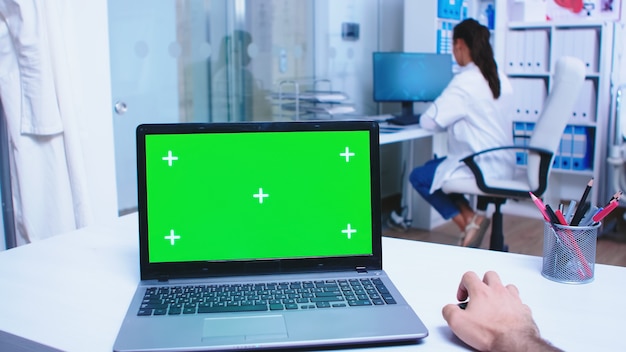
(449, 310)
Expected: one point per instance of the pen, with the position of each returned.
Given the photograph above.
(570, 210)
(539, 204)
(587, 219)
(560, 217)
(579, 211)
(604, 212)
(552, 215)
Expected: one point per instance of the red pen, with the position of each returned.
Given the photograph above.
(561, 217)
(604, 212)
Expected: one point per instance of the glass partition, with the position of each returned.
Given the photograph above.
(235, 60)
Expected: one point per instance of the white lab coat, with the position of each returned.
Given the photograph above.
(474, 121)
(47, 170)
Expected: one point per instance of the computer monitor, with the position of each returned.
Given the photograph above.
(410, 77)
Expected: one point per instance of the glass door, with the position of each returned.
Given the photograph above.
(200, 61)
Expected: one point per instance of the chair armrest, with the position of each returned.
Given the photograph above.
(544, 166)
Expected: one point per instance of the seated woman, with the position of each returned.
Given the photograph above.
(474, 110)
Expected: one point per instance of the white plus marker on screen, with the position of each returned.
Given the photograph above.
(349, 231)
(261, 195)
(347, 154)
(172, 237)
(169, 158)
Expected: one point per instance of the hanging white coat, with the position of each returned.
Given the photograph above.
(47, 169)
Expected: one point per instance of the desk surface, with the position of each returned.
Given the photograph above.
(71, 291)
(393, 134)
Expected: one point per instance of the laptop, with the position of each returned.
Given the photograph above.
(261, 235)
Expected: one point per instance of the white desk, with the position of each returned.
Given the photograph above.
(71, 292)
(403, 134)
(410, 199)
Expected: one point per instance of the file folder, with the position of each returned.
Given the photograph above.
(518, 97)
(565, 149)
(582, 148)
(537, 92)
(515, 46)
(450, 9)
(520, 139)
(540, 50)
(587, 48)
(585, 108)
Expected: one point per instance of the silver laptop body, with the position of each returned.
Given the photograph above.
(261, 236)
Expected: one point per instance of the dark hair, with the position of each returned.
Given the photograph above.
(476, 36)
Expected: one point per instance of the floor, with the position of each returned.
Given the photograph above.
(525, 235)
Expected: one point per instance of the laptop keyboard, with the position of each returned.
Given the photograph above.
(198, 299)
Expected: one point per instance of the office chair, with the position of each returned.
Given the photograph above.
(569, 76)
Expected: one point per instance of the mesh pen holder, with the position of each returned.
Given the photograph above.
(569, 253)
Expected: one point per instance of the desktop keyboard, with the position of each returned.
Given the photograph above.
(198, 299)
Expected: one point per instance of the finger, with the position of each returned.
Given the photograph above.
(449, 311)
(469, 280)
(513, 289)
(492, 278)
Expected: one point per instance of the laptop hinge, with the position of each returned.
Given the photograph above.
(361, 270)
(163, 278)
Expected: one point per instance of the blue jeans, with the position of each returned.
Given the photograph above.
(448, 205)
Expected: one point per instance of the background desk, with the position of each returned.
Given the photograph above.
(71, 292)
(417, 150)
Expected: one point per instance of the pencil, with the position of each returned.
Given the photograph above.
(579, 211)
(616, 196)
(540, 206)
(604, 212)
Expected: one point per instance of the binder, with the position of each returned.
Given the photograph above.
(537, 92)
(565, 148)
(558, 40)
(580, 158)
(587, 48)
(585, 108)
(518, 97)
(541, 48)
(520, 140)
(450, 9)
(564, 44)
(530, 126)
(510, 51)
(529, 51)
(515, 46)
(526, 99)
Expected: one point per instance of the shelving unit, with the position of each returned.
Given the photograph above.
(588, 123)
(531, 51)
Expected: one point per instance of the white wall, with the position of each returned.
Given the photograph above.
(92, 92)
(347, 63)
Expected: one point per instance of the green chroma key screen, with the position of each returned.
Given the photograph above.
(259, 195)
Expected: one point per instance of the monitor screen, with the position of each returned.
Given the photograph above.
(410, 77)
(247, 196)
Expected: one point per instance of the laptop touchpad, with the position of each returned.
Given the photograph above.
(245, 328)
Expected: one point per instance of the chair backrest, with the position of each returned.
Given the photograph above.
(569, 76)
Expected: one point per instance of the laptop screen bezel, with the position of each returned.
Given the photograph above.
(197, 269)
